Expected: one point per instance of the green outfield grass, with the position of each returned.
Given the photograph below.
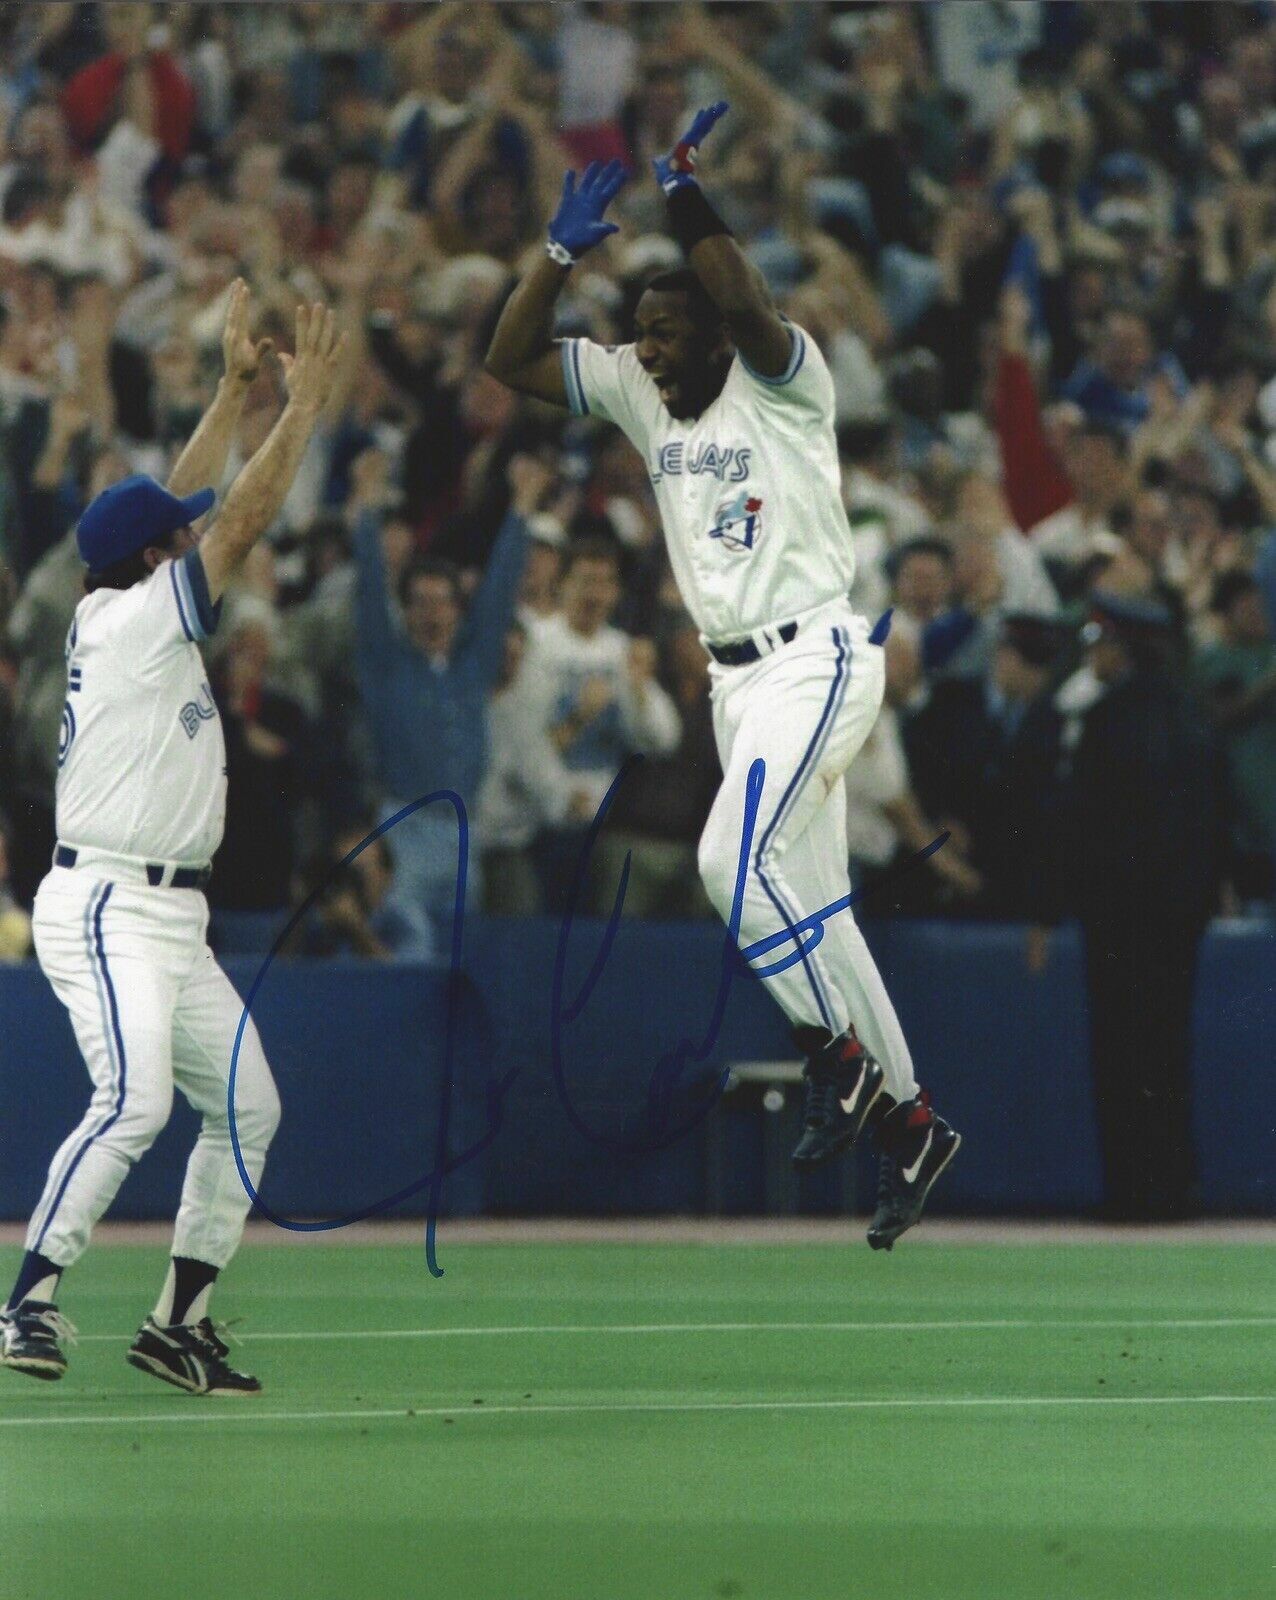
(663, 1422)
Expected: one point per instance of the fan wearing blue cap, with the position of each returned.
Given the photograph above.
(120, 923)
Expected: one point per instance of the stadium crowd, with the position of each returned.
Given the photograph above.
(1035, 244)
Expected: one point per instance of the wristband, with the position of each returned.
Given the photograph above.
(691, 217)
(560, 253)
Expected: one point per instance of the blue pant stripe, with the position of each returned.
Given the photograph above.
(102, 973)
(806, 766)
(55, 1174)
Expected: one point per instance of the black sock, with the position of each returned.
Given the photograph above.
(34, 1270)
(810, 1039)
(187, 1280)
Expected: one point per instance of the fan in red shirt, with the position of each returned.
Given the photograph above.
(138, 78)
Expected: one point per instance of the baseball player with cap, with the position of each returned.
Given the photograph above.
(120, 921)
(731, 407)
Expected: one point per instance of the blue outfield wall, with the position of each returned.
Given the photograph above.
(599, 1114)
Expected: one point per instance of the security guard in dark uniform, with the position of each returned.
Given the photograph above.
(1138, 860)
(982, 753)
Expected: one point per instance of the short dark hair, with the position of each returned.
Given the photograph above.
(132, 569)
(431, 567)
(592, 547)
(682, 280)
(925, 544)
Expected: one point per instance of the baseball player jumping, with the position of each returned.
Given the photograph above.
(731, 408)
(120, 923)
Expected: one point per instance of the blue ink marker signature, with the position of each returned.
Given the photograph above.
(671, 1066)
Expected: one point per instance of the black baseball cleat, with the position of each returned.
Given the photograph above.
(916, 1147)
(842, 1083)
(192, 1358)
(32, 1337)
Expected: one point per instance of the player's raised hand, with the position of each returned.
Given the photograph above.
(577, 225)
(241, 356)
(679, 166)
(309, 374)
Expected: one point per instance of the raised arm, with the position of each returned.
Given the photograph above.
(203, 460)
(259, 491)
(734, 285)
(492, 607)
(523, 353)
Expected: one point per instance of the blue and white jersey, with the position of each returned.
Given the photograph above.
(141, 759)
(750, 491)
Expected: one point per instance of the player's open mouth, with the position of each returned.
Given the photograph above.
(666, 386)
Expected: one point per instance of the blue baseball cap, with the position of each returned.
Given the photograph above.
(132, 514)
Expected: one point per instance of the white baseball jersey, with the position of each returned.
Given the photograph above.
(749, 491)
(141, 758)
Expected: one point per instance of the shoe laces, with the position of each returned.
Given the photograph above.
(821, 1100)
(885, 1179)
(62, 1328)
(216, 1335)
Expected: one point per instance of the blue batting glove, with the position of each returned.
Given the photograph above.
(578, 223)
(678, 168)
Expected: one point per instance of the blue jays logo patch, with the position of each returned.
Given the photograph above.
(738, 521)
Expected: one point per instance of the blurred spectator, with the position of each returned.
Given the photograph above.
(882, 514)
(983, 519)
(538, 593)
(15, 924)
(460, 66)
(1116, 386)
(38, 628)
(596, 699)
(885, 821)
(923, 578)
(660, 810)
(358, 911)
(1238, 676)
(266, 740)
(425, 675)
(134, 104)
(524, 789)
(980, 758)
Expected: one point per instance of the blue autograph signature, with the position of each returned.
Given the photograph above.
(803, 936)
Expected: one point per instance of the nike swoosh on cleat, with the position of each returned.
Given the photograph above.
(848, 1104)
(909, 1174)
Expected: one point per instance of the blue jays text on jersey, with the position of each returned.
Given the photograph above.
(194, 712)
(727, 463)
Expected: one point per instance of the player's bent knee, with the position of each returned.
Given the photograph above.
(143, 1117)
(257, 1119)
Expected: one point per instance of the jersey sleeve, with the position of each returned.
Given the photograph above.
(173, 609)
(804, 389)
(605, 381)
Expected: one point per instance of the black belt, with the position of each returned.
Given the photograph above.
(740, 655)
(183, 877)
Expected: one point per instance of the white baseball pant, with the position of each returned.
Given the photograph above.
(151, 1008)
(805, 709)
